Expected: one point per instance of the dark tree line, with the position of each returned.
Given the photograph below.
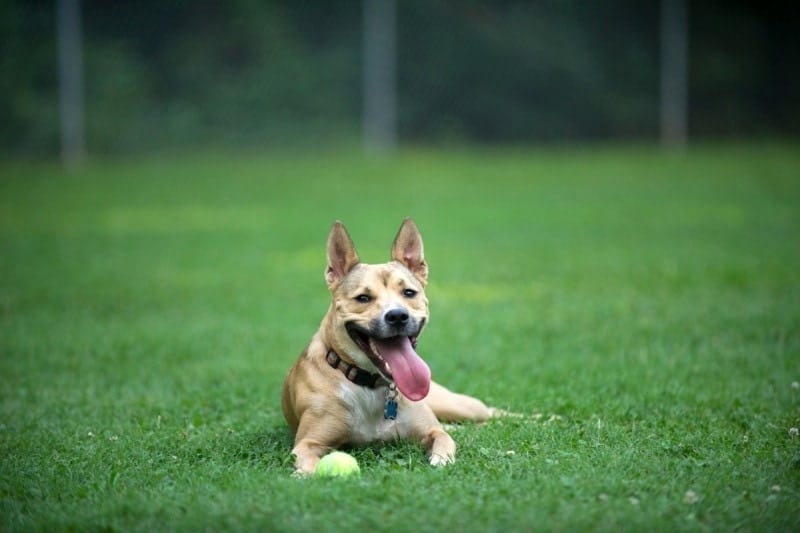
(184, 73)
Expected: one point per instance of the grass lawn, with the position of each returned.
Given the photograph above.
(642, 309)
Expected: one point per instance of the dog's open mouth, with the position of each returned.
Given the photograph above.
(396, 359)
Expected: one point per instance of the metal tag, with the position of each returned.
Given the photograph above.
(390, 407)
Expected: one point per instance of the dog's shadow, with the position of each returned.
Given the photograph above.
(269, 448)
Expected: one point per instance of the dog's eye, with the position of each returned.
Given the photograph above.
(363, 298)
(409, 293)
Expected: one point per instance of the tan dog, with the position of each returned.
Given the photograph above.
(360, 378)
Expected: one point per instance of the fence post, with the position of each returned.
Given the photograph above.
(70, 83)
(379, 76)
(674, 74)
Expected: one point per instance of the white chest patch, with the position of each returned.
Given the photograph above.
(367, 423)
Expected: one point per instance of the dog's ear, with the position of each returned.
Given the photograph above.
(342, 255)
(407, 249)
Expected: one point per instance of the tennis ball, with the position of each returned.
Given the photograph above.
(337, 464)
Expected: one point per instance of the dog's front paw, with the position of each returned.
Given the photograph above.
(441, 460)
(300, 474)
(441, 448)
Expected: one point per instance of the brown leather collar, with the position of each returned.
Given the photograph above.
(357, 375)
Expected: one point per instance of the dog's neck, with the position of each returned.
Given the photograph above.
(357, 375)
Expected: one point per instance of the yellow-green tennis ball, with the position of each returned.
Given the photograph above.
(337, 464)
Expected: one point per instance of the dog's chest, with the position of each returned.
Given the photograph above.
(367, 423)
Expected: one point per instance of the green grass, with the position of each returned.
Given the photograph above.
(643, 309)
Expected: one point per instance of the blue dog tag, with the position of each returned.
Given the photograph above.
(390, 411)
(390, 407)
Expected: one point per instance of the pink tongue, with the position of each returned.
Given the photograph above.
(410, 372)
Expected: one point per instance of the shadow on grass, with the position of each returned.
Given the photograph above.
(271, 447)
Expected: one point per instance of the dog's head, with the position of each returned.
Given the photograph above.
(378, 311)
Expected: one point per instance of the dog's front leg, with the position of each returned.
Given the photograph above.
(307, 454)
(441, 448)
(425, 428)
(316, 436)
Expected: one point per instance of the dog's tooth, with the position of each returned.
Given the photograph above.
(374, 347)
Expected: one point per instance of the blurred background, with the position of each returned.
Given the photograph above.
(97, 77)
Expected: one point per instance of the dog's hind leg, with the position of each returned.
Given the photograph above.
(450, 406)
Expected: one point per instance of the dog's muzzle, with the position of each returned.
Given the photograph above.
(390, 344)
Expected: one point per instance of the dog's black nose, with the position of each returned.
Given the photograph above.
(396, 317)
